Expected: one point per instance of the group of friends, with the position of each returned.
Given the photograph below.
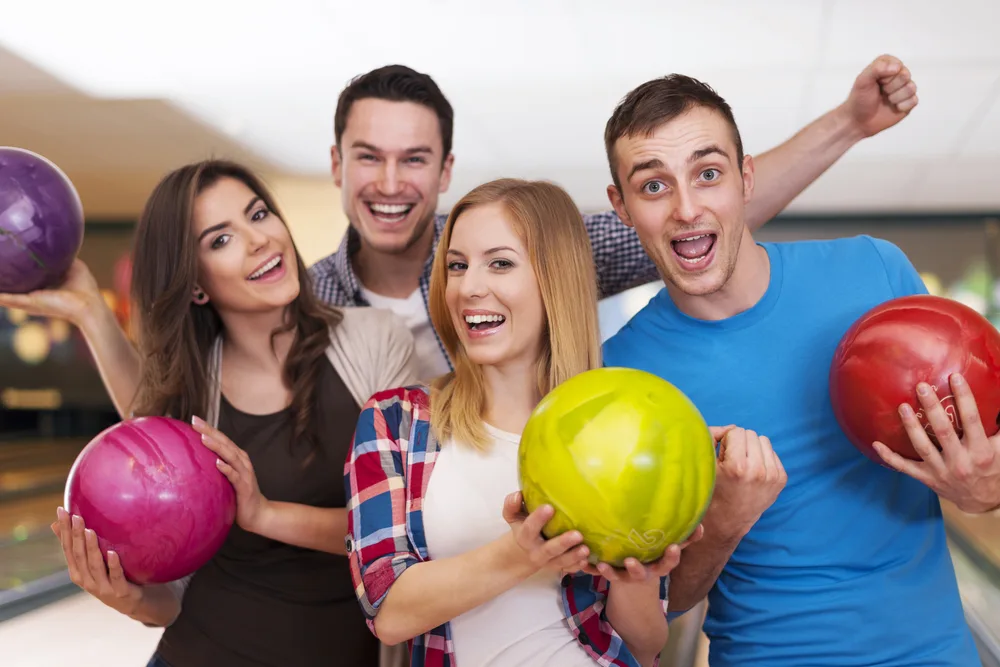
(368, 409)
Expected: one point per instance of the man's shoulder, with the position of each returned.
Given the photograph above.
(860, 247)
(637, 332)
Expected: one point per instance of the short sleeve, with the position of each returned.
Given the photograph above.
(377, 544)
(903, 277)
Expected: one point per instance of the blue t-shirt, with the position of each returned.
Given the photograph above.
(850, 565)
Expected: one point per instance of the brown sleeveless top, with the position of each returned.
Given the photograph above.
(263, 603)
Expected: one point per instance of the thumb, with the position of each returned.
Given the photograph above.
(719, 432)
(512, 506)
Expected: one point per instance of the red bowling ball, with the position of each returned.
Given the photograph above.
(151, 491)
(895, 346)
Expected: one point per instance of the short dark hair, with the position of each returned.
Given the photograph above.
(396, 83)
(657, 102)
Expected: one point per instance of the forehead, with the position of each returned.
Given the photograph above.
(483, 227)
(226, 199)
(673, 142)
(392, 126)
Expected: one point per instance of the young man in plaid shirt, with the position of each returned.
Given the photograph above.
(392, 159)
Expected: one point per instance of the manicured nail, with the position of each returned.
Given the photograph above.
(905, 410)
(77, 521)
(957, 379)
(923, 389)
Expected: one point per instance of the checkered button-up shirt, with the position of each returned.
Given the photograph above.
(386, 477)
(620, 259)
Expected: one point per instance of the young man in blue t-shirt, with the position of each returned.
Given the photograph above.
(845, 563)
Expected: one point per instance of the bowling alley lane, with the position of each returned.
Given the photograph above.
(32, 476)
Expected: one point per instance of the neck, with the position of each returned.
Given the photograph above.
(394, 274)
(248, 340)
(511, 394)
(745, 287)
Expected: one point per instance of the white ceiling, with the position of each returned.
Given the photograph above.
(533, 81)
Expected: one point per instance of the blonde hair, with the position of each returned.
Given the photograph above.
(551, 227)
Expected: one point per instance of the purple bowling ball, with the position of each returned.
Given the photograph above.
(41, 222)
(151, 491)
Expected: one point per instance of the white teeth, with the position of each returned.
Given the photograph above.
(264, 269)
(391, 209)
(692, 238)
(479, 319)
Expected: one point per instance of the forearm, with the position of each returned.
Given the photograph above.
(636, 613)
(782, 173)
(318, 528)
(159, 605)
(116, 357)
(702, 562)
(432, 593)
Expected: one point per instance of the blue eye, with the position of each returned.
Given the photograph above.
(653, 187)
(716, 177)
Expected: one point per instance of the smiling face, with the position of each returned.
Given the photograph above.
(684, 192)
(390, 168)
(246, 259)
(492, 292)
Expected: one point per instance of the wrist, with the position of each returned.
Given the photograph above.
(846, 130)
(95, 317)
(263, 518)
(511, 557)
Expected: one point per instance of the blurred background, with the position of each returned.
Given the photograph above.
(118, 93)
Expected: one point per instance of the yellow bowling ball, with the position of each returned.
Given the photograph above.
(624, 457)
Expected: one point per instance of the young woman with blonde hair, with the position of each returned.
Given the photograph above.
(441, 551)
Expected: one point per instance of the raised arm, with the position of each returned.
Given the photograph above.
(78, 301)
(883, 94)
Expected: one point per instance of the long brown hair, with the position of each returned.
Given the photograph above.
(550, 225)
(175, 335)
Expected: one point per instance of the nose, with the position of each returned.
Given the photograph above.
(389, 182)
(474, 284)
(687, 208)
(256, 239)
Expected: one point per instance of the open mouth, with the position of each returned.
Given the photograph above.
(484, 322)
(269, 268)
(390, 213)
(694, 249)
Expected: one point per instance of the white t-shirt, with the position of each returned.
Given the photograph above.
(462, 510)
(431, 361)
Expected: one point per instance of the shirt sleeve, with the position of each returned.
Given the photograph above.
(585, 603)
(621, 261)
(904, 280)
(377, 545)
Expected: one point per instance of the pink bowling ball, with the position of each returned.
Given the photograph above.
(151, 491)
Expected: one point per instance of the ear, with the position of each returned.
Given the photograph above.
(618, 203)
(446, 173)
(198, 296)
(336, 165)
(748, 178)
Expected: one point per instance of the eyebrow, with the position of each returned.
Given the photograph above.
(491, 251)
(223, 225)
(656, 163)
(416, 150)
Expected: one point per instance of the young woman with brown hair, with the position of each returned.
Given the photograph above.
(231, 337)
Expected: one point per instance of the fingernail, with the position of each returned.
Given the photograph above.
(205, 438)
(218, 462)
(905, 410)
(196, 420)
(77, 521)
(923, 389)
(61, 513)
(957, 379)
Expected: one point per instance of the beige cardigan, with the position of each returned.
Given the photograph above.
(371, 349)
